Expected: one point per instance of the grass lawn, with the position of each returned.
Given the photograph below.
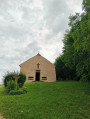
(56, 100)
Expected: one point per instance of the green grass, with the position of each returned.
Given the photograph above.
(57, 100)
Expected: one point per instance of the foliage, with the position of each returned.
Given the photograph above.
(11, 85)
(62, 71)
(24, 89)
(7, 77)
(22, 79)
(76, 51)
(11, 76)
(16, 92)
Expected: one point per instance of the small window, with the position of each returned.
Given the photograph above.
(44, 78)
(30, 78)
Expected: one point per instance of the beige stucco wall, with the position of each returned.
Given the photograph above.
(47, 69)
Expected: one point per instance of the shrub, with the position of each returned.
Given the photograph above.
(11, 76)
(8, 77)
(22, 79)
(16, 92)
(11, 85)
(24, 89)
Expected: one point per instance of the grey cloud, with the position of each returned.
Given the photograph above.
(56, 16)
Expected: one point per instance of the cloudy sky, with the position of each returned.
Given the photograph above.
(29, 26)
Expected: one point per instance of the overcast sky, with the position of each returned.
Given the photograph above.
(29, 26)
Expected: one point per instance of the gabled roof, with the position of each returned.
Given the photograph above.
(35, 56)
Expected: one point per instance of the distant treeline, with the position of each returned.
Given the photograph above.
(74, 63)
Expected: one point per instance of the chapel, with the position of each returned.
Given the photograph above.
(38, 68)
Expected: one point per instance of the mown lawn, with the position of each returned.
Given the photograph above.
(57, 100)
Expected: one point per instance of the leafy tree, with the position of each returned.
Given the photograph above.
(76, 51)
(61, 69)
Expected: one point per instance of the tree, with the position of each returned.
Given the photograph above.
(76, 51)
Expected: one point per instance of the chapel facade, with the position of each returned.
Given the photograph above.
(38, 68)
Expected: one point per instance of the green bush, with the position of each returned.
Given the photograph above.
(24, 89)
(11, 76)
(16, 92)
(11, 85)
(21, 80)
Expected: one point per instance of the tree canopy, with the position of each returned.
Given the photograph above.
(74, 63)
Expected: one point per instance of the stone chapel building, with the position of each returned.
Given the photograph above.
(38, 68)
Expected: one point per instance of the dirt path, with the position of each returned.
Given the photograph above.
(1, 117)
